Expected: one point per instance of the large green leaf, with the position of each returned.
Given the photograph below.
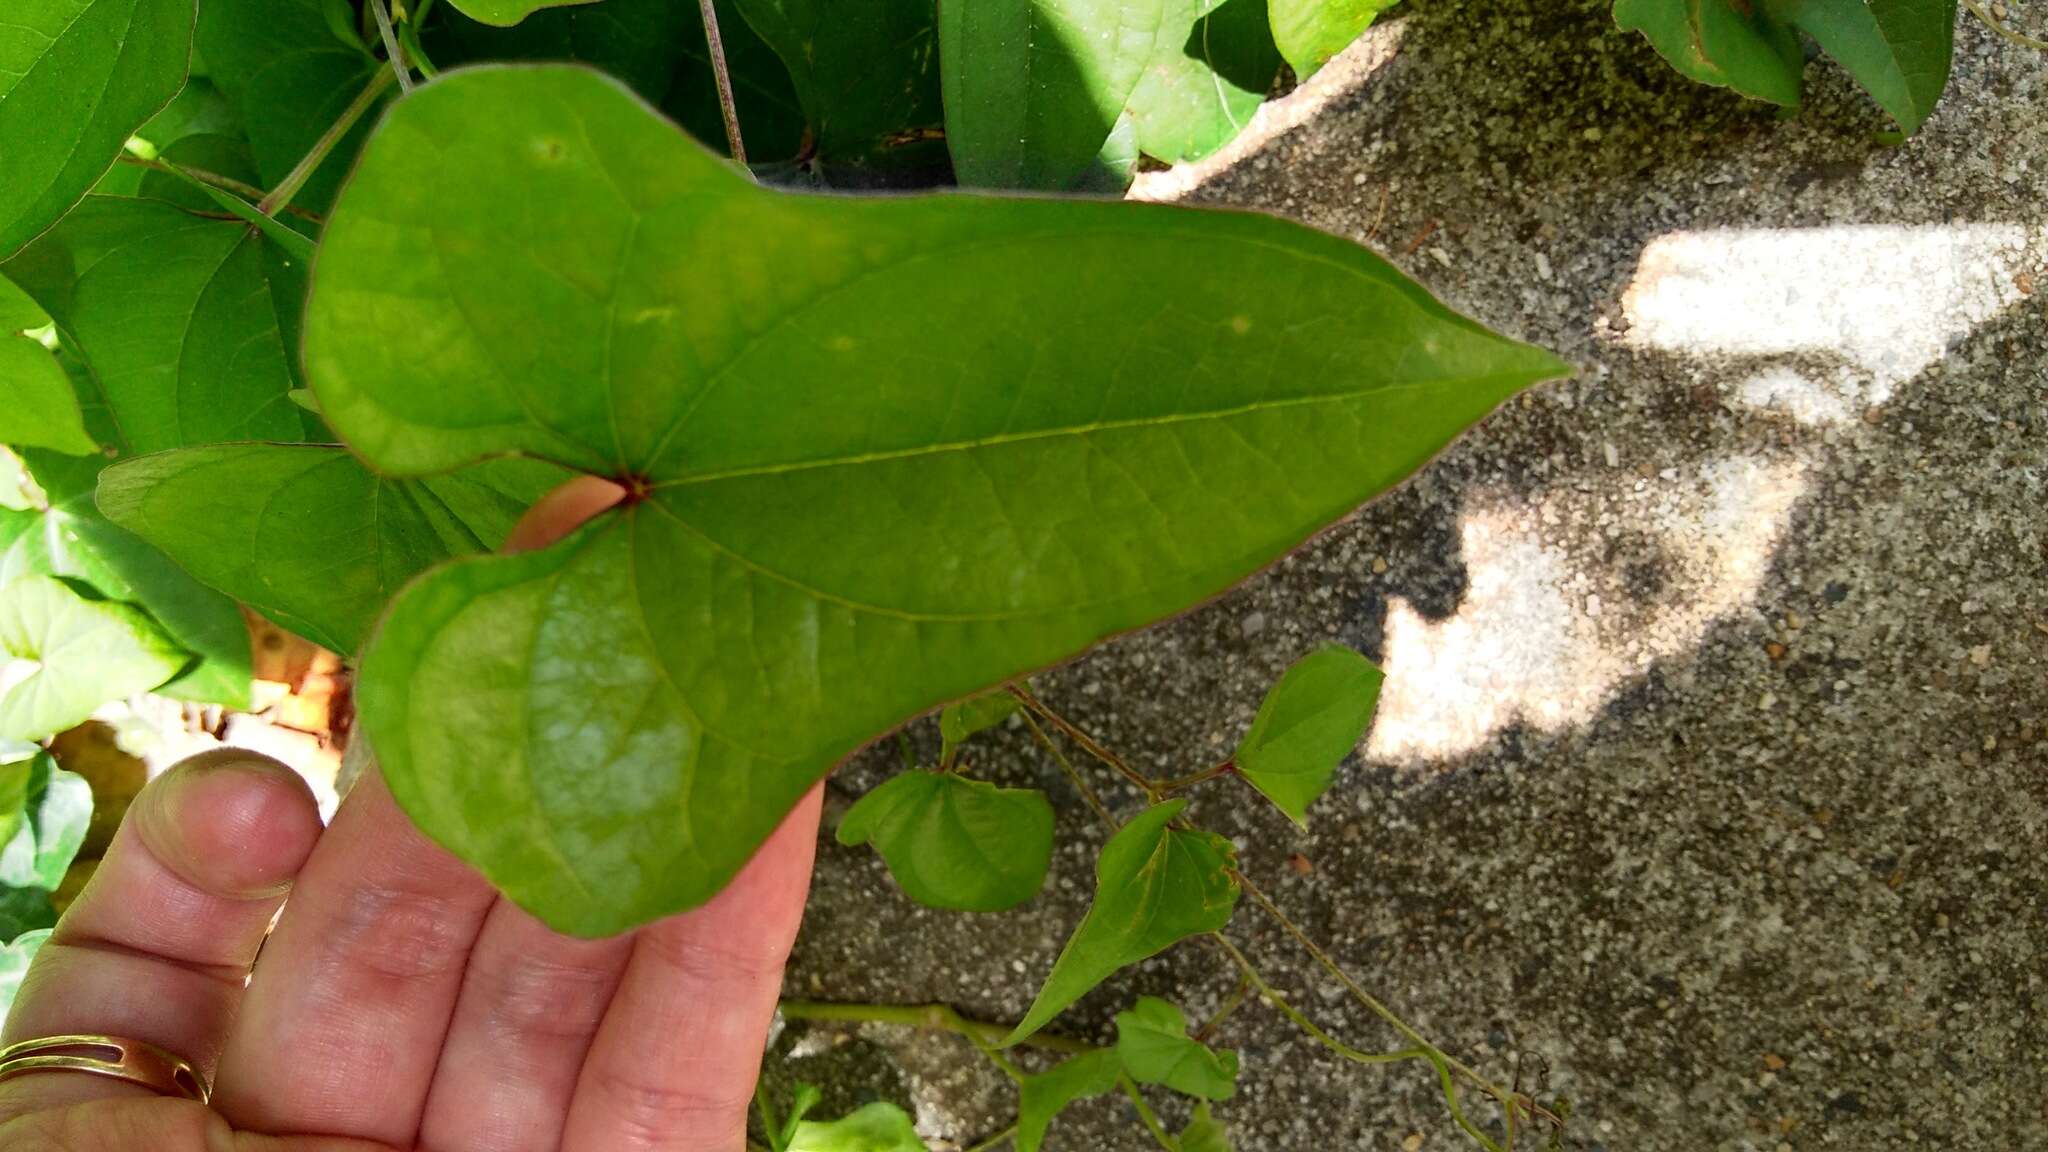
(879, 1127)
(289, 71)
(1713, 43)
(867, 72)
(956, 843)
(37, 406)
(835, 528)
(1153, 1043)
(1899, 50)
(1196, 99)
(57, 811)
(506, 13)
(176, 317)
(14, 961)
(1306, 725)
(86, 653)
(1155, 885)
(1043, 1096)
(1309, 32)
(305, 534)
(1033, 87)
(77, 77)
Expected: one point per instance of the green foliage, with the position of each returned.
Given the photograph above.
(1307, 723)
(1309, 32)
(41, 411)
(1045, 1095)
(959, 722)
(305, 534)
(1153, 1044)
(956, 843)
(506, 13)
(782, 1130)
(85, 652)
(866, 73)
(879, 1127)
(1155, 885)
(49, 817)
(14, 961)
(76, 78)
(589, 279)
(1898, 50)
(1204, 1133)
(1193, 101)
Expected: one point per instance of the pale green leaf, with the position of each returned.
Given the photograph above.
(14, 961)
(1309, 32)
(1306, 725)
(1033, 87)
(1155, 885)
(1043, 1096)
(37, 406)
(175, 315)
(866, 71)
(86, 652)
(1713, 43)
(1152, 1042)
(505, 13)
(1898, 50)
(956, 843)
(1204, 1133)
(1193, 100)
(77, 78)
(58, 811)
(879, 1127)
(305, 534)
(644, 700)
(959, 722)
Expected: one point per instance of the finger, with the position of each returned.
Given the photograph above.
(674, 1063)
(562, 511)
(531, 1003)
(152, 1125)
(344, 1018)
(158, 945)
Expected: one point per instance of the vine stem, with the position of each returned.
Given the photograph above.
(1073, 774)
(365, 100)
(1183, 782)
(930, 1017)
(200, 175)
(393, 50)
(1088, 743)
(997, 1140)
(2003, 29)
(723, 76)
(1145, 1114)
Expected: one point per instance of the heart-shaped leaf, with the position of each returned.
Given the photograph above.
(77, 77)
(14, 961)
(1043, 1096)
(1155, 885)
(86, 652)
(1309, 32)
(867, 72)
(1194, 99)
(956, 843)
(645, 699)
(1033, 87)
(305, 534)
(1306, 725)
(56, 813)
(1898, 50)
(41, 411)
(879, 1127)
(1152, 1041)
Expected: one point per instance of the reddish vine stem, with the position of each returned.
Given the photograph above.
(1088, 743)
(727, 107)
(1224, 769)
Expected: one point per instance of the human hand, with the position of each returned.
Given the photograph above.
(400, 1003)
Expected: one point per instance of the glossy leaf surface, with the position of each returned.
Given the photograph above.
(1153, 1043)
(77, 78)
(1306, 725)
(656, 690)
(1155, 885)
(56, 812)
(86, 653)
(1044, 1095)
(1898, 50)
(305, 534)
(1193, 101)
(1309, 32)
(956, 843)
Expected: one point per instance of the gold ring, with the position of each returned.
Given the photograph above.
(115, 1057)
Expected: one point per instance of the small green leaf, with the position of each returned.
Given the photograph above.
(58, 811)
(14, 961)
(1194, 99)
(40, 411)
(866, 71)
(879, 1127)
(959, 722)
(1204, 1133)
(648, 697)
(642, 42)
(87, 652)
(1045, 1095)
(1033, 87)
(1153, 1043)
(956, 843)
(77, 78)
(506, 13)
(305, 534)
(1155, 885)
(1898, 50)
(1713, 43)
(782, 1130)
(1306, 725)
(1309, 32)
